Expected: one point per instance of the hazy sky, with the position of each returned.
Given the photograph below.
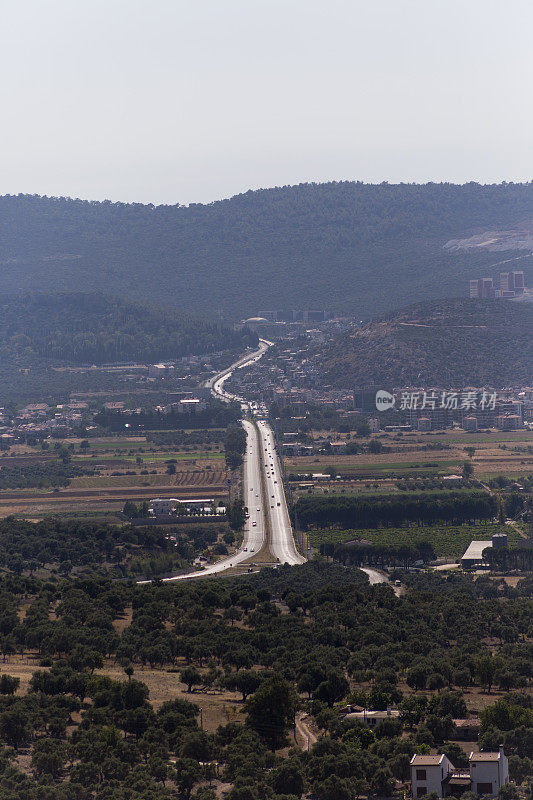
(184, 101)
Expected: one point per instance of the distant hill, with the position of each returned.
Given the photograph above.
(349, 247)
(77, 328)
(449, 343)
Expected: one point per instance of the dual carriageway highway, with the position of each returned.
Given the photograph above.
(263, 492)
(268, 522)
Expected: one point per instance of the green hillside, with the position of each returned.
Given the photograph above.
(76, 328)
(450, 343)
(349, 247)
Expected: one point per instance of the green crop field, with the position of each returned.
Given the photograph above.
(447, 541)
(153, 457)
(180, 455)
(401, 468)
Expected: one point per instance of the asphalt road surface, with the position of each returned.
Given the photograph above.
(374, 576)
(254, 534)
(264, 501)
(254, 500)
(281, 539)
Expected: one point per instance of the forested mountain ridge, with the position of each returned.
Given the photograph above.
(77, 328)
(449, 343)
(347, 246)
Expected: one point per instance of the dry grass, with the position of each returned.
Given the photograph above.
(123, 622)
(217, 708)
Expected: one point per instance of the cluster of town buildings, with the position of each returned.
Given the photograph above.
(428, 409)
(512, 284)
(65, 419)
(292, 378)
(185, 402)
(40, 419)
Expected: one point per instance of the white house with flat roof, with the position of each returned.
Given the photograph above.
(371, 718)
(167, 506)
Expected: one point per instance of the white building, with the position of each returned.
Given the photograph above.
(488, 772)
(338, 448)
(160, 370)
(474, 553)
(190, 405)
(430, 774)
(161, 506)
(371, 718)
(166, 506)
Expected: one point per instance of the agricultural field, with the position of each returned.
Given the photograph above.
(421, 455)
(100, 476)
(448, 541)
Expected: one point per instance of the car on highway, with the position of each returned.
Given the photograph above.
(254, 523)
